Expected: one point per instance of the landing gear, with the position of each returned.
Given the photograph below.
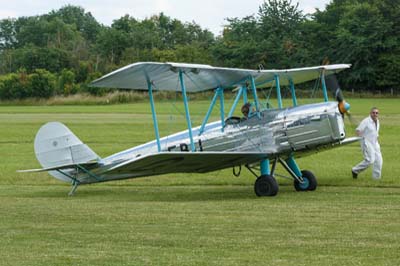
(266, 185)
(309, 182)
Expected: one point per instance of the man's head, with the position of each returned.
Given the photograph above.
(374, 113)
(246, 109)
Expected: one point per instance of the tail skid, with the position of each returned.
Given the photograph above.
(73, 189)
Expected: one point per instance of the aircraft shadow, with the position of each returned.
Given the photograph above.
(154, 194)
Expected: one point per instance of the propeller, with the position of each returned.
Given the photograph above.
(332, 84)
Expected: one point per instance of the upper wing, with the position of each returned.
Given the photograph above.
(164, 76)
(299, 75)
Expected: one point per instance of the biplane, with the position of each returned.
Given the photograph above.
(265, 137)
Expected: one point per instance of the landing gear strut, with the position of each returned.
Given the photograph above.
(266, 184)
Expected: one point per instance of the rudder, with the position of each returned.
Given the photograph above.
(56, 145)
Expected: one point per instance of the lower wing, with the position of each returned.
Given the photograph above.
(182, 162)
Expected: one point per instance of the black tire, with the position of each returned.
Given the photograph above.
(309, 184)
(266, 185)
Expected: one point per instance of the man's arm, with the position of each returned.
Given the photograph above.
(361, 127)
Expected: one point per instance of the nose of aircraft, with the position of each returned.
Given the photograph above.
(333, 85)
(344, 106)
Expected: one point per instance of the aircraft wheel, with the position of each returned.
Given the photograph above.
(310, 182)
(266, 185)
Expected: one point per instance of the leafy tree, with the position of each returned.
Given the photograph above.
(280, 18)
(195, 34)
(32, 57)
(365, 34)
(125, 24)
(145, 35)
(193, 53)
(388, 70)
(163, 55)
(111, 44)
(7, 34)
(85, 23)
(14, 86)
(41, 84)
(92, 90)
(272, 39)
(66, 83)
(388, 62)
(61, 35)
(71, 44)
(32, 31)
(240, 44)
(82, 73)
(360, 39)
(281, 31)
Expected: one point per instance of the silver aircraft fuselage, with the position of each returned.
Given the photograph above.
(274, 132)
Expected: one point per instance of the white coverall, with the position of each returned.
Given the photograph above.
(369, 131)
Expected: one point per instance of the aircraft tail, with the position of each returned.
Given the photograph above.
(56, 147)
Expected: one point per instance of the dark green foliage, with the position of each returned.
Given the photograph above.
(92, 90)
(85, 23)
(111, 44)
(280, 26)
(34, 57)
(365, 34)
(66, 83)
(42, 84)
(240, 44)
(74, 47)
(273, 39)
(83, 71)
(39, 84)
(14, 86)
(7, 33)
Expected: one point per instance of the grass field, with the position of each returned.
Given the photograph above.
(193, 219)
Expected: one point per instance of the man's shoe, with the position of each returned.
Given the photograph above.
(354, 174)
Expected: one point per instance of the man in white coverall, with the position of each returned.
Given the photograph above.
(369, 131)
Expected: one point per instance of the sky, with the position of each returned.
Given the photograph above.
(209, 14)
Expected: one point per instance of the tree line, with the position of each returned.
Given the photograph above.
(61, 52)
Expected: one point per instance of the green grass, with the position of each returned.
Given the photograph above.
(194, 219)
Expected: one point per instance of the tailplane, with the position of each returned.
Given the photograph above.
(57, 147)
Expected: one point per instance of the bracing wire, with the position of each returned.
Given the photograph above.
(268, 103)
(315, 87)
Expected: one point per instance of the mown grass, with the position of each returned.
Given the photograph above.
(129, 96)
(192, 219)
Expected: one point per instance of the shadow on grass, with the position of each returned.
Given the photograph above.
(150, 193)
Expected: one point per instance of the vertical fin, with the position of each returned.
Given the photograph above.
(56, 145)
